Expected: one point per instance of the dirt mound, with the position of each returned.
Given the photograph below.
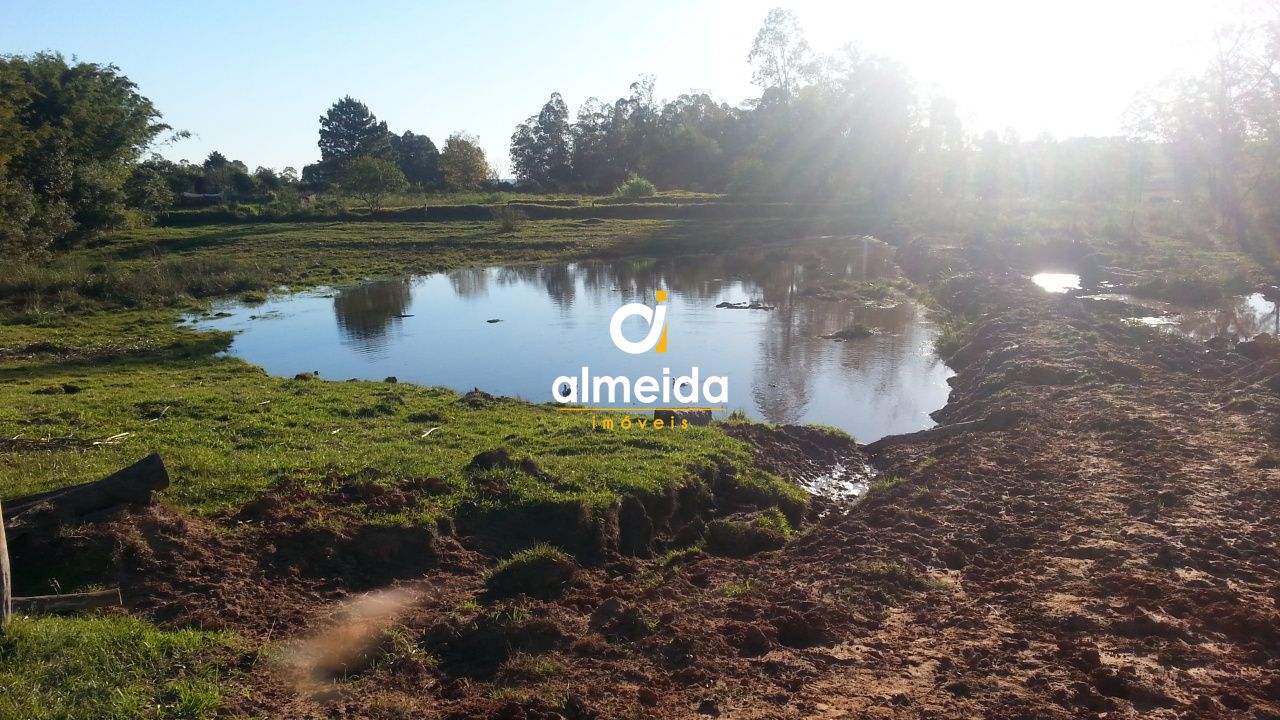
(796, 451)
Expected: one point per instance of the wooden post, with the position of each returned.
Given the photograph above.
(6, 589)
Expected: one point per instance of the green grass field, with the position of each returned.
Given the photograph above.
(228, 432)
(110, 668)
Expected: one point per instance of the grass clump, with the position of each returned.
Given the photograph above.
(773, 519)
(1197, 287)
(744, 535)
(109, 668)
(880, 486)
(953, 333)
(678, 556)
(890, 576)
(523, 668)
(541, 571)
(1242, 403)
(74, 283)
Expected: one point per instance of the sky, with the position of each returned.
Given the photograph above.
(251, 79)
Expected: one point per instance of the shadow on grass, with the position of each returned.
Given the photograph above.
(689, 237)
(59, 361)
(224, 235)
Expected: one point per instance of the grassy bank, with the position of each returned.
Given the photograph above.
(95, 372)
(158, 267)
(229, 432)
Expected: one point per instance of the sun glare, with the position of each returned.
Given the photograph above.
(1062, 68)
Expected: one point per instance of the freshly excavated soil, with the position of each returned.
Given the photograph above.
(1113, 553)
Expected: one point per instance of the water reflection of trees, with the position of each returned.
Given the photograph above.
(470, 282)
(791, 353)
(772, 273)
(365, 312)
(1244, 316)
(791, 348)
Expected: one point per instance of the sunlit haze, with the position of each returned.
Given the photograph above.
(250, 79)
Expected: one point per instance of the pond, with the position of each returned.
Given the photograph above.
(512, 330)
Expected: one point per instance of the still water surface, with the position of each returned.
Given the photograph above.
(554, 319)
(1242, 316)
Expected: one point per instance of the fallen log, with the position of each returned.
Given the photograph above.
(133, 485)
(71, 602)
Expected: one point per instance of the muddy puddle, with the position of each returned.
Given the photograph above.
(1056, 282)
(1241, 316)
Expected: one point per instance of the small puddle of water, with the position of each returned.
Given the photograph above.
(554, 319)
(844, 481)
(1056, 282)
(1244, 316)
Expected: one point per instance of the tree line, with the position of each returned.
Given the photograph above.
(359, 157)
(847, 127)
(78, 142)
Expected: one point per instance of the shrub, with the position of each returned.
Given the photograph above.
(541, 571)
(285, 203)
(509, 218)
(635, 186)
(370, 180)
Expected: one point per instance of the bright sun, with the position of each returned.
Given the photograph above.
(1069, 69)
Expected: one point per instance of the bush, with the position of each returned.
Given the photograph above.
(370, 180)
(541, 571)
(635, 187)
(509, 218)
